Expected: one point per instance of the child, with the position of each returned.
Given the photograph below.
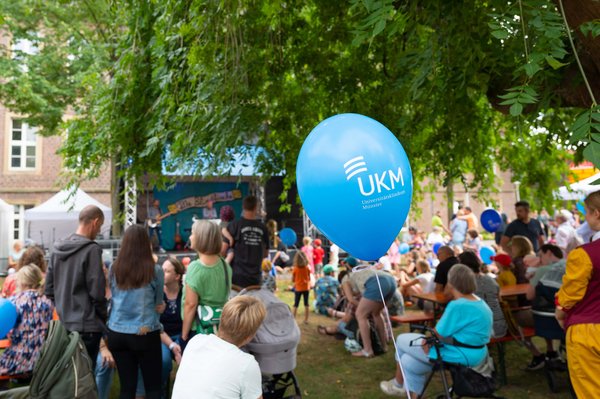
(318, 255)
(506, 275)
(326, 290)
(268, 275)
(473, 241)
(301, 280)
(423, 283)
(308, 250)
(35, 313)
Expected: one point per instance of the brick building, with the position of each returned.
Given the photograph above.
(30, 169)
(504, 198)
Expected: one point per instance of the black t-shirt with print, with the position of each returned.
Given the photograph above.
(532, 230)
(251, 240)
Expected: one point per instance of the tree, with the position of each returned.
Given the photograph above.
(184, 84)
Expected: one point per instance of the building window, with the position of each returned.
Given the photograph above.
(22, 146)
(19, 221)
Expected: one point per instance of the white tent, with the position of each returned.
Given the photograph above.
(58, 217)
(6, 238)
(578, 190)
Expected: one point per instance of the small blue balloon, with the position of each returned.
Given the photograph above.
(580, 207)
(403, 248)
(355, 183)
(491, 220)
(485, 253)
(8, 317)
(436, 247)
(288, 236)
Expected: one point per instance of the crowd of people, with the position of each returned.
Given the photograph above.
(138, 317)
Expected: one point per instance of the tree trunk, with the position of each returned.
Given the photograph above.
(450, 199)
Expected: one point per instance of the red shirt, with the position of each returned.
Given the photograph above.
(318, 254)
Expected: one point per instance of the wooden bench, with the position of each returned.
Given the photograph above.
(411, 318)
(499, 342)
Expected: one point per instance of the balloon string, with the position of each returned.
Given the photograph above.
(387, 319)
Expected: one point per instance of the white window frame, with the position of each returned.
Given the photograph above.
(23, 144)
(18, 223)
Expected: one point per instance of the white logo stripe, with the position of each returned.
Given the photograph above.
(356, 165)
(357, 171)
(361, 158)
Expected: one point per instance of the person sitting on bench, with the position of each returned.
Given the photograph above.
(467, 320)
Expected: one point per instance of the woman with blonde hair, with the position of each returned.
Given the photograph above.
(208, 279)
(578, 307)
(520, 247)
(32, 255)
(34, 314)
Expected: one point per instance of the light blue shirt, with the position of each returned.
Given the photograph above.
(133, 311)
(469, 322)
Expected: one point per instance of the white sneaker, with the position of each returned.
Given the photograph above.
(390, 388)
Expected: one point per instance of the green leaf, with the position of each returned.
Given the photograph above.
(516, 109)
(592, 153)
(512, 94)
(500, 34)
(532, 68)
(591, 27)
(554, 63)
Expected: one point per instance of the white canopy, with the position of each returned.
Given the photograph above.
(578, 190)
(58, 217)
(6, 238)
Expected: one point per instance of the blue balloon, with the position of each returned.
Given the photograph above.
(403, 248)
(8, 317)
(436, 247)
(580, 207)
(491, 220)
(355, 183)
(288, 236)
(485, 253)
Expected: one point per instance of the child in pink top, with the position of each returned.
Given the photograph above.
(309, 252)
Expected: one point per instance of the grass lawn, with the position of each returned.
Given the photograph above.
(326, 370)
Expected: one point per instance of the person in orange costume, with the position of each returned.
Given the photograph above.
(578, 308)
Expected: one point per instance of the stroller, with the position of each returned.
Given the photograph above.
(274, 346)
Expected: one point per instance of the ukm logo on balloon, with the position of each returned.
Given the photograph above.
(379, 182)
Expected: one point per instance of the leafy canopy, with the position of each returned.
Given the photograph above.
(183, 85)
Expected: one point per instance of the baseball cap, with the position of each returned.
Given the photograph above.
(317, 242)
(328, 269)
(351, 261)
(503, 259)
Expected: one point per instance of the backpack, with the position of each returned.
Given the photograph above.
(375, 340)
(64, 369)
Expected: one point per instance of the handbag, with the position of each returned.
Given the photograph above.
(468, 382)
(209, 317)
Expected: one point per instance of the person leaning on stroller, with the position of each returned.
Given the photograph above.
(467, 319)
(213, 366)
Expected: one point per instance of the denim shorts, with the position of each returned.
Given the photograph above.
(388, 287)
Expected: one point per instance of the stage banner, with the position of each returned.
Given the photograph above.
(187, 201)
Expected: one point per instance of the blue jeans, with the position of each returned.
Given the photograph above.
(413, 361)
(167, 367)
(104, 378)
(158, 232)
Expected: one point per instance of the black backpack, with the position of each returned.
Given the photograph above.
(375, 340)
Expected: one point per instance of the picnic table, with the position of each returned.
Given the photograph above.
(439, 300)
